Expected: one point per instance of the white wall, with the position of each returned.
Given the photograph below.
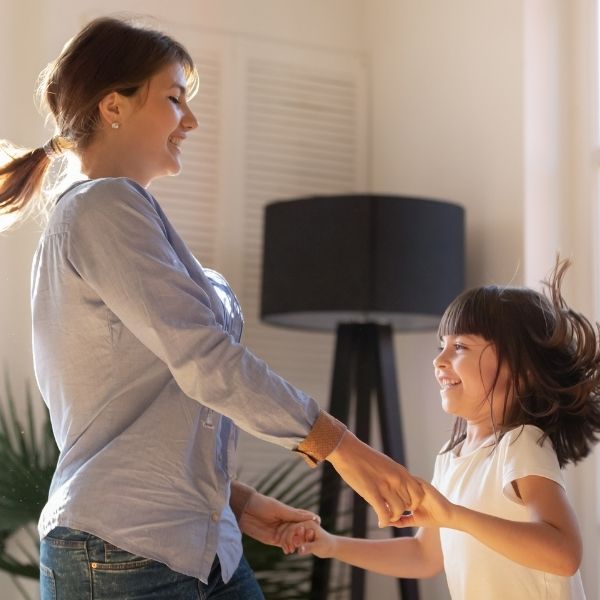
(330, 23)
(447, 116)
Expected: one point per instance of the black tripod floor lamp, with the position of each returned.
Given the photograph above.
(363, 266)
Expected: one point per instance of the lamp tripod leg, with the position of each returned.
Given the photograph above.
(363, 379)
(390, 422)
(330, 481)
(364, 365)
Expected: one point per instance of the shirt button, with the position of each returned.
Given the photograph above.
(214, 516)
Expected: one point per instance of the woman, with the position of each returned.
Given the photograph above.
(137, 356)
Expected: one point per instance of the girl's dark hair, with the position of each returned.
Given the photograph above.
(107, 55)
(552, 352)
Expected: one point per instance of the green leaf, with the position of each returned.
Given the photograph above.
(28, 455)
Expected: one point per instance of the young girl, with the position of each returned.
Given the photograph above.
(521, 373)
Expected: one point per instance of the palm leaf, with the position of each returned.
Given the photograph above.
(28, 456)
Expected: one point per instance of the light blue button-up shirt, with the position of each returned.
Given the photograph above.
(135, 357)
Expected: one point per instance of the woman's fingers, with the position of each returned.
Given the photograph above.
(397, 502)
(386, 485)
(404, 521)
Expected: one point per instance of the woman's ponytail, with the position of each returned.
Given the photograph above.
(21, 178)
(20, 182)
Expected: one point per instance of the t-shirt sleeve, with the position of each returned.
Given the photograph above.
(438, 468)
(524, 456)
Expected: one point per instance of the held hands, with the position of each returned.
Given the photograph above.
(310, 538)
(307, 538)
(264, 519)
(386, 485)
(434, 511)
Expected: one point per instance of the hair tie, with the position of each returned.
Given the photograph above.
(57, 145)
(52, 147)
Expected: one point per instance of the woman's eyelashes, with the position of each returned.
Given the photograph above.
(174, 100)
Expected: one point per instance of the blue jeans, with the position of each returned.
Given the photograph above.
(75, 565)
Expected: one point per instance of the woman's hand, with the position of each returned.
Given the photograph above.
(435, 510)
(264, 519)
(386, 485)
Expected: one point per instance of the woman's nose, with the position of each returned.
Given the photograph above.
(189, 120)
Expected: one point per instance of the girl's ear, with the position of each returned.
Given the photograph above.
(111, 109)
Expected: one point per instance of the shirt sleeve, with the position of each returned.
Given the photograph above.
(118, 245)
(523, 455)
(324, 437)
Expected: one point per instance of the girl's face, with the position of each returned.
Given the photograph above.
(466, 368)
(154, 125)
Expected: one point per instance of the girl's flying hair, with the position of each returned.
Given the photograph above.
(553, 354)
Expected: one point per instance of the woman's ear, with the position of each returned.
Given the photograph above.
(111, 110)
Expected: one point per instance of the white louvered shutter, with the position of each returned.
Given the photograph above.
(304, 135)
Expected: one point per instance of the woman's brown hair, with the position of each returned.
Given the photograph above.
(552, 352)
(107, 55)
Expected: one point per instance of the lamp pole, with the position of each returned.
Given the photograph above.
(364, 368)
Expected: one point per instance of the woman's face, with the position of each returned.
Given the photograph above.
(153, 126)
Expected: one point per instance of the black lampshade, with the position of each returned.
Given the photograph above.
(361, 258)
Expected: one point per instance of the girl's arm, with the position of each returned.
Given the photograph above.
(549, 542)
(409, 557)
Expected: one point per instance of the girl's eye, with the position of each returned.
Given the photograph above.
(174, 100)
(458, 346)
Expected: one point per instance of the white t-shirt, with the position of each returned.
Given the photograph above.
(481, 481)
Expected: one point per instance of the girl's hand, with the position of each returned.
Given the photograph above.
(264, 519)
(434, 511)
(308, 538)
(293, 535)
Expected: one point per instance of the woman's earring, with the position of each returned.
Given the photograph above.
(115, 125)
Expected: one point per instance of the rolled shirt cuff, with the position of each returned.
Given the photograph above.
(323, 439)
